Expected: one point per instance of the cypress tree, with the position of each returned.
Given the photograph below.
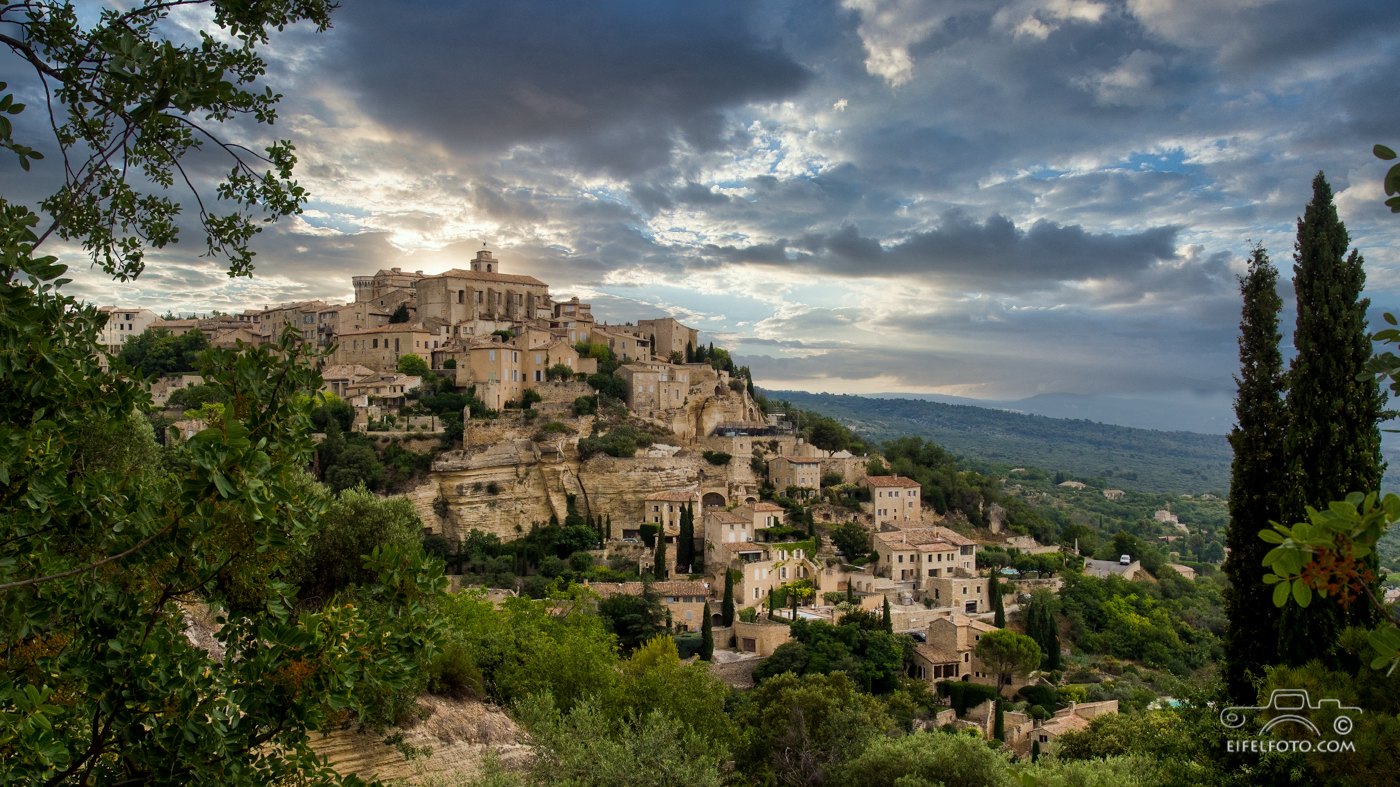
(609, 527)
(886, 619)
(707, 637)
(660, 569)
(1332, 441)
(689, 352)
(1000, 609)
(1257, 477)
(770, 605)
(726, 607)
(999, 731)
(1039, 614)
(1035, 751)
(685, 542)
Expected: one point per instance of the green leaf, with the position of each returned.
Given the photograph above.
(1301, 593)
(1383, 153)
(1280, 594)
(1271, 536)
(1392, 180)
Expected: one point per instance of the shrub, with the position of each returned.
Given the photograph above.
(436, 546)
(717, 457)
(529, 415)
(615, 387)
(620, 441)
(492, 488)
(648, 533)
(450, 363)
(580, 561)
(965, 695)
(737, 386)
(559, 372)
(452, 673)
(412, 365)
(530, 397)
(748, 614)
(1046, 696)
(585, 405)
(1039, 712)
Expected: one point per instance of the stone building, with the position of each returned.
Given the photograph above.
(370, 289)
(482, 293)
(655, 385)
(949, 653)
(122, 324)
(669, 336)
(685, 600)
(895, 499)
(380, 348)
(803, 473)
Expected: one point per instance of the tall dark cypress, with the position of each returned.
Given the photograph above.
(685, 542)
(1333, 440)
(999, 619)
(707, 636)
(660, 570)
(1257, 480)
(726, 607)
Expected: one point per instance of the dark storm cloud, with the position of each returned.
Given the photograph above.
(994, 251)
(616, 83)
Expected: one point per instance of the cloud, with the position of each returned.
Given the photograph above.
(617, 88)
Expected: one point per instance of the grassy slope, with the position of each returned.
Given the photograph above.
(1141, 459)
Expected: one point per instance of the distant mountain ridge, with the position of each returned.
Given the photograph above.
(1144, 459)
(1207, 412)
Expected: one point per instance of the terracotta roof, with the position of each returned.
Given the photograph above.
(935, 654)
(767, 506)
(917, 536)
(672, 588)
(458, 273)
(728, 517)
(890, 480)
(1063, 724)
(347, 371)
(398, 327)
(677, 495)
(961, 620)
(173, 323)
(938, 546)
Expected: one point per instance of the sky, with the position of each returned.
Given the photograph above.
(982, 199)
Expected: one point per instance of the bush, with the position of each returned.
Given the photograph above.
(411, 364)
(648, 533)
(492, 488)
(585, 405)
(965, 695)
(717, 457)
(620, 441)
(559, 371)
(1046, 696)
(436, 546)
(530, 397)
(580, 561)
(450, 363)
(607, 384)
(452, 673)
(737, 386)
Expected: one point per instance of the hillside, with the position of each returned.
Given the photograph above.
(1143, 459)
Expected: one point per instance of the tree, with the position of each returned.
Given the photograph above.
(1007, 654)
(885, 619)
(999, 619)
(707, 636)
(1040, 616)
(1332, 441)
(634, 619)
(685, 542)
(356, 523)
(726, 607)
(413, 365)
(851, 539)
(1256, 481)
(156, 351)
(999, 726)
(111, 689)
(400, 314)
(659, 568)
(609, 527)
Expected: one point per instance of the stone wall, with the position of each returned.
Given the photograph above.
(766, 637)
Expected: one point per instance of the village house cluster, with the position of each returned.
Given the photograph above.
(500, 334)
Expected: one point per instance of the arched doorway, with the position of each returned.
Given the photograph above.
(712, 500)
(750, 501)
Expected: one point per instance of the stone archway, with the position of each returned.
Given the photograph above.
(712, 500)
(750, 501)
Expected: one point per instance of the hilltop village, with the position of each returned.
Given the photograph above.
(743, 506)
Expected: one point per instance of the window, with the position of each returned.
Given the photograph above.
(376, 344)
(460, 295)
(492, 355)
(539, 358)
